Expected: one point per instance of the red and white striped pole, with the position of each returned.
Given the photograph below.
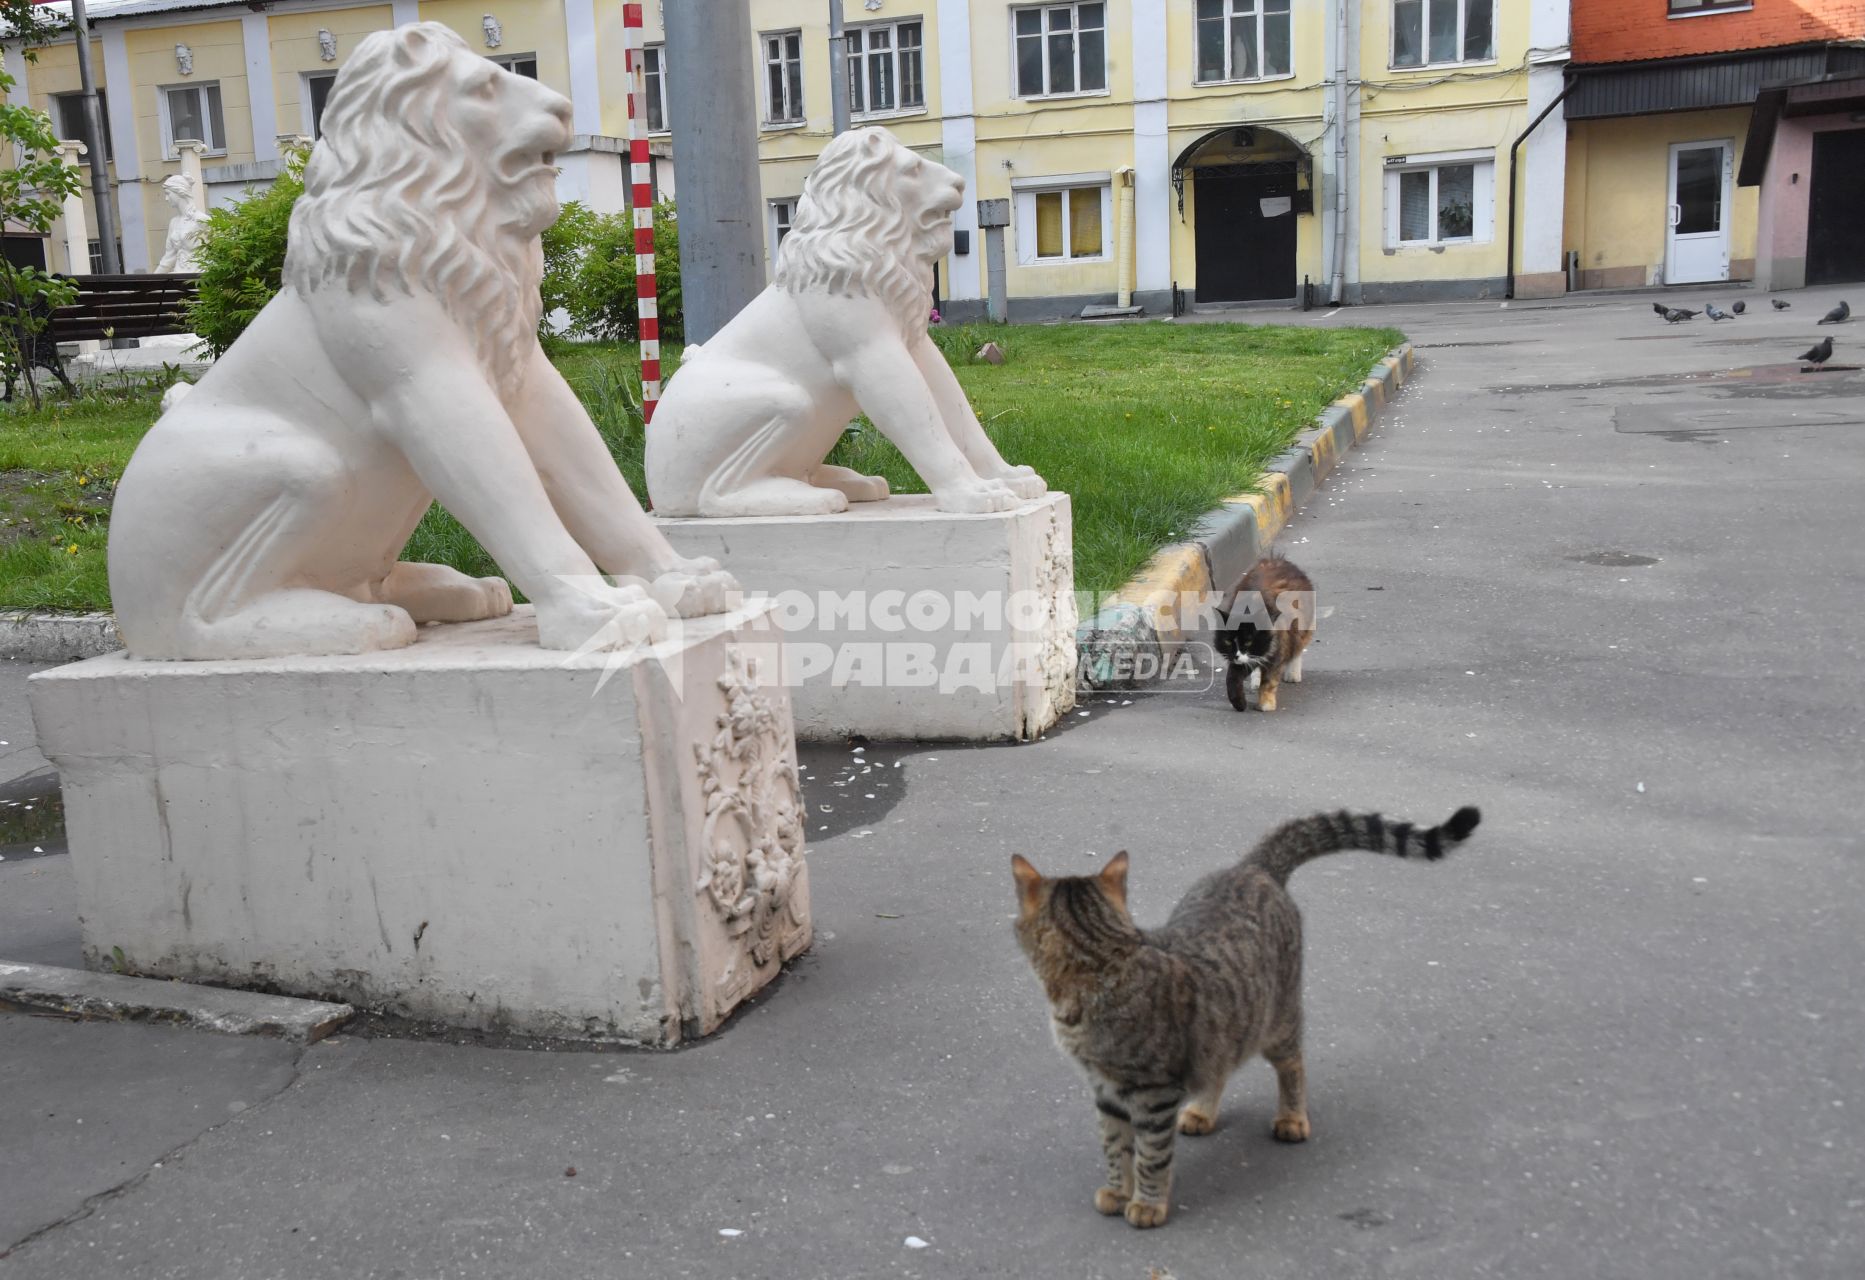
(641, 201)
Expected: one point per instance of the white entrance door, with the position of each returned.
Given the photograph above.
(1697, 243)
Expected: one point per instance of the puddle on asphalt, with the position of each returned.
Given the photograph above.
(1615, 559)
(32, 817)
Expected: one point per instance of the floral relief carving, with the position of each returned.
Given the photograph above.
(752, 840)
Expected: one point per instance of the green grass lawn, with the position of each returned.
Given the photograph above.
(1146, 425)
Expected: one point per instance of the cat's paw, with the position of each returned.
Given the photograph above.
(1110, 1201)
(1141, 1213)
(1266, 700)
(1290, 1129)
(1195, 1122)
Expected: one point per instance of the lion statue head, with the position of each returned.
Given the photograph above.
(873, 219)
(436, 173)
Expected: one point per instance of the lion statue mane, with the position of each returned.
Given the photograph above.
(748, 420)
(264, 513)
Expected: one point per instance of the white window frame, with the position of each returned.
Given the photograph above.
(1023, 210)
(654, 87)
(765, 62)
(1703, 8)
(1074, 6)
(1231, 11)
(1482, 197)
(860, 60)
(507, 61)
(168, 125)
(304, 98)
(1424, 36)
(76, 97)
(779, 219)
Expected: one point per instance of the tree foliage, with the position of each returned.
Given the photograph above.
(32, 195)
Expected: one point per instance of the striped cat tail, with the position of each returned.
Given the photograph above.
(1297, 841)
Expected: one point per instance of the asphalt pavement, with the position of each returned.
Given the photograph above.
(1599, 575)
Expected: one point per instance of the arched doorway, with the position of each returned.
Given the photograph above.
(1249, 185)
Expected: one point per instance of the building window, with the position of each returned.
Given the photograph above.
(885, 68)
(654, 86)
(1426, 32)
(782, 212)
(519, 64)
(192, 111)
(1064, 224)
(316, 97)
(1684, 8)
(783, 77)
(68, 119)
(1451, 202)
(1242, 39)
(1061, 49)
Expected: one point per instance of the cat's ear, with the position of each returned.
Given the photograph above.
(1113, 879)
(1029, 881)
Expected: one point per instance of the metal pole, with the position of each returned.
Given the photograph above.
(641, 207)
(94, 121)
(714, 115)
(838, 69)
(1514, 147)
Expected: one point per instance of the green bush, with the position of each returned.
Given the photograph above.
(242, 255)
(597, 288)
(589, 266)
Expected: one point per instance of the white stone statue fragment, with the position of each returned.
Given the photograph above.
(746, 422)
(184, 228)
(263, 514)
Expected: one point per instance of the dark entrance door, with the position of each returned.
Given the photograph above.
(1836, 207)
(1246, 232)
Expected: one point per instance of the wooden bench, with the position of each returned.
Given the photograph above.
(138, 306)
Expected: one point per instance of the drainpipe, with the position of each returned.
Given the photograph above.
(1124, 245)
(1337, 286)
(1520, 138)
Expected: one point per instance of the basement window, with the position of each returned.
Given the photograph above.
(1430, 205)
(1057, 224)
(1692, 8)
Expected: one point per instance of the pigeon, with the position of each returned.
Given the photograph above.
(1674, 314)
(1715, 312)
(1658, 307)
(1739, 307)
(1838, 315)
(1779, 305)
(1819, 354)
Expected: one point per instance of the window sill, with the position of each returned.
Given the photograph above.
(1064, 97)
(1443, 66)
(1067, 262)
(1705, 13)
(1219, 84)
(1437, 246)
(779, 126)
(899, 113)
(173, 156)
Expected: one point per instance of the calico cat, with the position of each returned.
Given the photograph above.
(1274, 620)
(1160, 1018)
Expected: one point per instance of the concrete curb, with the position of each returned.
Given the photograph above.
(1233, 536)
(56, 637)
(44, 988)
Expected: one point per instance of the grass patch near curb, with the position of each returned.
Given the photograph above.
(1148, 426)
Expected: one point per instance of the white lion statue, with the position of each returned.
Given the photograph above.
(263, 513)
(747, 421)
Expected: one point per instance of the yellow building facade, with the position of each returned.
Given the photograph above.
(1231, 151)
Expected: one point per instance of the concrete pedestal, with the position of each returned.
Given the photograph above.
(903, 621)
(472, 830)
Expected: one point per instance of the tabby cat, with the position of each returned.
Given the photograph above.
(1160, 1018)
(1267, 634)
